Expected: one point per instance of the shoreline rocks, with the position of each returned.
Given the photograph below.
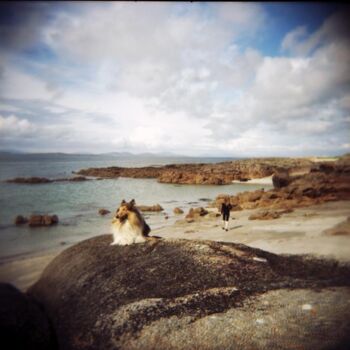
(44, 180)
(42, 220)
(36, 220)
(325, 182)
(203, 173)
(29, 180)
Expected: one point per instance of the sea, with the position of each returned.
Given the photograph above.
(77, 203)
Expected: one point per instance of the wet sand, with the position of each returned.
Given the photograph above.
(303, 231)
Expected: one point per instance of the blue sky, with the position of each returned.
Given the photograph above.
(218, 79)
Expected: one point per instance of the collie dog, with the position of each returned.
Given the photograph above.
(128, 225)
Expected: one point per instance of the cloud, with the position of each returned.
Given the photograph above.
(186, 78)
(14, 126)
(335, 30)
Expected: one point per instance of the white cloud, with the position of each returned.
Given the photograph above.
(14, 126)
(175, 77)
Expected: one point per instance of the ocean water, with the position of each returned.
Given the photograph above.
(77, 203)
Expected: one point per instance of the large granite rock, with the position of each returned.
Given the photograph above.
(181, 294)
(23, 324)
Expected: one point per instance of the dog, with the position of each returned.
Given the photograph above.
(128, 225)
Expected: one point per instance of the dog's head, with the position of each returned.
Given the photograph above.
(124, 210)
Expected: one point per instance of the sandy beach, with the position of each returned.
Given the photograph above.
(309, 230)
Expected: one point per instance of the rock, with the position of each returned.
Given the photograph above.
(20, 220)
(178, 211)
(326, 182)
(47, 220)
(77, 178)
(281, 179)
(44, 180)
(54, 219)
(172, 294)
(103, 211)
(29, 180)
(265, 215)
(23, 325)
(155, 208)
(42, 220)
(196, 213)
(36, 220)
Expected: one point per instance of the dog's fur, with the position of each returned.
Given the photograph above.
(128, 225)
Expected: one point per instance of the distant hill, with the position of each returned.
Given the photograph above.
(15, 155)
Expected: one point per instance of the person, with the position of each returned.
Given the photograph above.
(225, 211)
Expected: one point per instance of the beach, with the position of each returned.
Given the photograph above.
(303, 231)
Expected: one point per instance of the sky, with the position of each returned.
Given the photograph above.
(198, 79)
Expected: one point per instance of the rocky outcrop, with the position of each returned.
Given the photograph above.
(44, 180)
(42, 220)
(325, 182)
(29, 180)
(213, 174)
(23, 324)
(172, 294)
(151, 208)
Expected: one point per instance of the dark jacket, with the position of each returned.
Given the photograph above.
(225, 208)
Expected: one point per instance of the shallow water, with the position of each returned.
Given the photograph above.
(77, 204)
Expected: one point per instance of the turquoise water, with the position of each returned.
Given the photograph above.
(77, 204)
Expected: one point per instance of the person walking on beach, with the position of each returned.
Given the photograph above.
(225, 211)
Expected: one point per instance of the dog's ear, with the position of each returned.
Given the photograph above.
(132, 203)
(123, 202)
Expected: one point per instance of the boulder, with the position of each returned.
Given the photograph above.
(42, 220)
(23, 324)
(103, 211)
(155, 208)
(178, 211)
(20, 220)
(176, 294)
